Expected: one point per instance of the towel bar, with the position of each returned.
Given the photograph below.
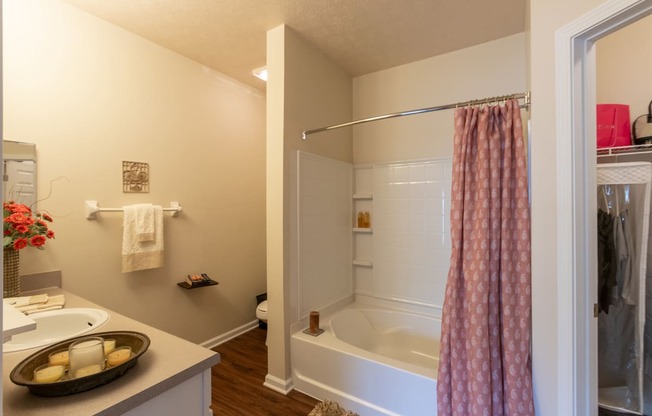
(92, 208)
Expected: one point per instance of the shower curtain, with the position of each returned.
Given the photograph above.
(485, 366)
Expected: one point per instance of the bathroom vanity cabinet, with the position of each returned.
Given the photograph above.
(172, 377)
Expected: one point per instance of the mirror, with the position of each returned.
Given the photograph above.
(19, 172)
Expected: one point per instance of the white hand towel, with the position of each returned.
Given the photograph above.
(53, 302)
(137, 254)
(49, 308)
(145, 224)
(26, 300)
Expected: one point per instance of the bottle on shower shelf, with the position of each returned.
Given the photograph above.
(360, 219)
(366, 220)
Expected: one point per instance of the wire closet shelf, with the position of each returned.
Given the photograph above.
(635, 149)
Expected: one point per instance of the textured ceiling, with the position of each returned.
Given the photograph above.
(362, 36)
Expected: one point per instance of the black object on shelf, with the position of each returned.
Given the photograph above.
(195, 281)
(642, 127)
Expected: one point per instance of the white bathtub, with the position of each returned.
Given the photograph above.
(372, 361)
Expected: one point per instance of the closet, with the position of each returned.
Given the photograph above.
(623, 201)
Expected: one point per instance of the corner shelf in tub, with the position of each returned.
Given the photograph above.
(359, 197)
(363, 263)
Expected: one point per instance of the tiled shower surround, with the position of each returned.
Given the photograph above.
(404, 255)
(411, 234)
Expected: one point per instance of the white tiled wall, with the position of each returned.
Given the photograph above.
(408, 249)
(323, 233)
(411, 232)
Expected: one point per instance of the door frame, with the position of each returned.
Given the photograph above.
(576, 202)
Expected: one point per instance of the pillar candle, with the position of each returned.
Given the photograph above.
(314, 321)
(84, 353)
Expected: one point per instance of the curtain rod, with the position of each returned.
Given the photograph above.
(523, 95)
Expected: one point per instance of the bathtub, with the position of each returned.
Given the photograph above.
(372, 361)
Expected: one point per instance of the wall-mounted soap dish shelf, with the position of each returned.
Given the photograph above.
(188, 286)
(197, 280)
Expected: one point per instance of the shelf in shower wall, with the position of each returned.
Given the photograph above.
(363, 263)
(363, 196)
(363, 230)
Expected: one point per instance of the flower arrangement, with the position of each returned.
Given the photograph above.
(23, 228)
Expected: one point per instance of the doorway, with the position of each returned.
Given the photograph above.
(577, 236)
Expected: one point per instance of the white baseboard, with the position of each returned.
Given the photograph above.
(220, 339)
(279, 385)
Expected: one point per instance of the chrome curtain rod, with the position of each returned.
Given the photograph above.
(523, 95)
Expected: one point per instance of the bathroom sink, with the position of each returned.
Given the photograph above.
(55, 326)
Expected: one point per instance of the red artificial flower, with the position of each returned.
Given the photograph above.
(37, 241)
(16, 218)
(17, 208)
(22, 227)
(20, 243)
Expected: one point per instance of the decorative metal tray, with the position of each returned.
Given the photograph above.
(23, 373)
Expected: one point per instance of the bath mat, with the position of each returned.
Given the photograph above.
(327, 408)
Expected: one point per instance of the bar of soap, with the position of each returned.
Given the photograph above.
(48, 374)
(118, 356)
(59, 358)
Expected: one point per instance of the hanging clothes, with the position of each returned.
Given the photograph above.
(624, 242)
(607, 263)
(615, 248)
(623, 226)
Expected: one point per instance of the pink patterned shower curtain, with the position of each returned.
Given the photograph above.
(485, 366)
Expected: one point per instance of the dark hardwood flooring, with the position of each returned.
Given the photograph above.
(238, 382)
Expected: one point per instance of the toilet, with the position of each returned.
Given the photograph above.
(261, 313)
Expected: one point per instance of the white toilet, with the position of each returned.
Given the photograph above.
(261, 314)
(261, 311)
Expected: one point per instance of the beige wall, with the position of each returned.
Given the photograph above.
(305, 90)
(623, 63)
(546, 16)
(91, 95)
(486, 70)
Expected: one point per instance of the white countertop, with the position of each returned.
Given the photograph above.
(169, 361)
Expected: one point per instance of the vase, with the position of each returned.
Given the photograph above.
(11, 270)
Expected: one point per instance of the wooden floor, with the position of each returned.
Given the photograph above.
(238, 381)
